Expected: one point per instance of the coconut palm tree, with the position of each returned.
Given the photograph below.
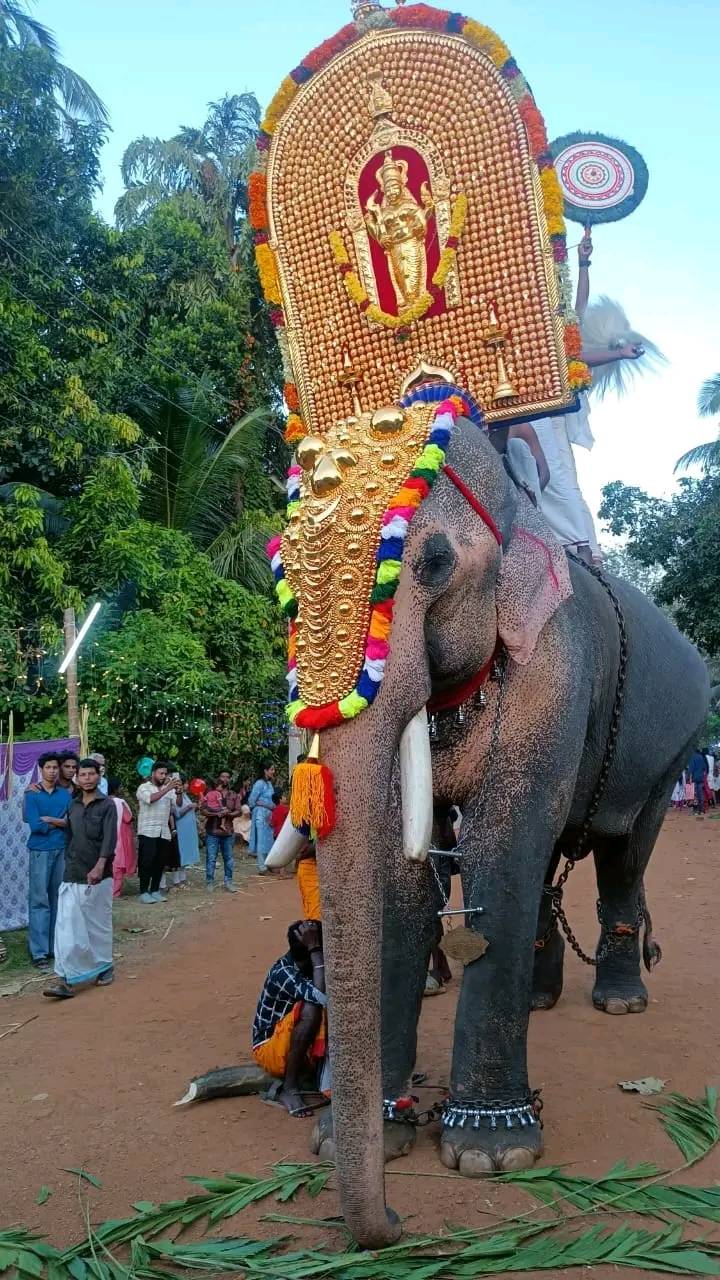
(210, 165)
(19, 30)
(196, 469)
(706, 456)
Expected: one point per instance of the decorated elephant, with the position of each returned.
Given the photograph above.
(413, 254)
(523, 765)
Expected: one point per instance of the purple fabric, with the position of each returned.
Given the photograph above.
(13, 831)
(26, 755)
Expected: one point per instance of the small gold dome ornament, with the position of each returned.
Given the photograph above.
(326, 477)
(309, 450)
(388, 420)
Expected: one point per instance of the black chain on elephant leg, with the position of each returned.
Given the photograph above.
(582, 844)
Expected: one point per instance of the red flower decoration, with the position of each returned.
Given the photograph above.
(319, 58)
(291, 397)
(421, 15)
(534, 125)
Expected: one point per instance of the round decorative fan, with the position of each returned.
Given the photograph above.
(602, 179)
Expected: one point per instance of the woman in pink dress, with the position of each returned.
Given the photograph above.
(125, 860)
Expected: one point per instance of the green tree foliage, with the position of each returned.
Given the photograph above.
(140, 450)
(706, 456)
(208, 165)
(20, 30)
(678, 537)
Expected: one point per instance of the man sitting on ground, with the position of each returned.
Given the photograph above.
(288, 1035)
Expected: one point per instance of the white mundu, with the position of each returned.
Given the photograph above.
(561, 501)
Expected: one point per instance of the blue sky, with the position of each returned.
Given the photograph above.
(644, 70)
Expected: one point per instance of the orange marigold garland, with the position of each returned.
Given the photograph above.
(291, 397)
(257, 201)
(579, 375)
(294, 429)
(573, 342)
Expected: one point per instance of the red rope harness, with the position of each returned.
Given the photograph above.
(477, 506)
(455, 697)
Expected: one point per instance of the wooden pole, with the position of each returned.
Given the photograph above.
(71, 675)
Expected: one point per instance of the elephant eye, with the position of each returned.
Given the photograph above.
(435, 562)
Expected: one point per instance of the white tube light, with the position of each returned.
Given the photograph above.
(79, 639)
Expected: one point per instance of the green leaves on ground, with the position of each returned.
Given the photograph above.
(223, 1198)
(523, 1243)
(692, 1124)
(86, 1177)
(43, 1194)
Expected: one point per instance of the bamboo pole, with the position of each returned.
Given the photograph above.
(71, 675)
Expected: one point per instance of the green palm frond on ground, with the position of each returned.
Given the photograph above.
(523, 1243)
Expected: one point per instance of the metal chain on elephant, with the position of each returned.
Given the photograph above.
(555, 892)
(501, 680)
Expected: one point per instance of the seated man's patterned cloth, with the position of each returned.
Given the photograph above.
(281, 1002)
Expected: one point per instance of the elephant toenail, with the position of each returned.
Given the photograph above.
(616, 1006)
(448, 1155)
(515, 1159)
(638, 1005)
(476, 1164)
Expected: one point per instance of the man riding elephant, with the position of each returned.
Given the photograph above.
(442, 646)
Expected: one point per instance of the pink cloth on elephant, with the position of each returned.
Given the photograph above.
(534, 581)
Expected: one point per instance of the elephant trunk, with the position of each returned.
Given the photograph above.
(351, 862)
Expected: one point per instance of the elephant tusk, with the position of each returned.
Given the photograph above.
(416, 788)
(287, 846)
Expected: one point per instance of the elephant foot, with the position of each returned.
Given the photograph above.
(480, 1153)
(398, 1138)
(614, 999)
(619, 989)
(548, 972)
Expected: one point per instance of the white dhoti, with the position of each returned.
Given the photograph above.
(561, 501)
(83, 931)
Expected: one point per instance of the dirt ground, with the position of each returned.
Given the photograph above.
(91, 1083)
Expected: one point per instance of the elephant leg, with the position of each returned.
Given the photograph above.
(620, 866)
(549, 950)
(410, 929)
(490, 1124)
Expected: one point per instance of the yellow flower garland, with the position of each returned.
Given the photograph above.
(267, 270)
(486, 40)
(279, 105)
(409, 315)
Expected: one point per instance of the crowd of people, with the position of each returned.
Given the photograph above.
(85, 840)
(698, 787)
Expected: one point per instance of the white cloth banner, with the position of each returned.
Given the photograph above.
(83, 932)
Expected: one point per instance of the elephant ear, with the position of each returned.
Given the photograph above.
(534, 581)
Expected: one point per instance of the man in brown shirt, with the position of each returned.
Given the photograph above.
(83, 930)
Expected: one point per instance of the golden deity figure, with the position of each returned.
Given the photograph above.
(399, 224)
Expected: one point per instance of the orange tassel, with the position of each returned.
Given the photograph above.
(312, 799)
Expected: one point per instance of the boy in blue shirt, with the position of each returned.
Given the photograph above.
(45, 812)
